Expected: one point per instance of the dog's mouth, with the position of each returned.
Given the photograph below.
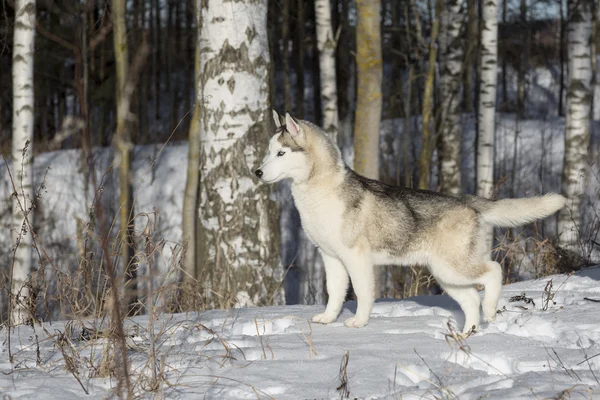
(272, 180)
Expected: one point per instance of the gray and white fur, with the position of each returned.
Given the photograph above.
(358, 223)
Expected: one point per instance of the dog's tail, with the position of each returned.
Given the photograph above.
(515, 212)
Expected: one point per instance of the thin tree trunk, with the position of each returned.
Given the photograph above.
(190, 81)
(369, 98)
(345, 79)
(22, 156)
(285, 56)
(240, 256)
(596, 47)
(504, 67)
(487, 105)
(577, 128)
(190, 199)
(407, 137)
(561, 49)
(157, 55)
(451, 67)
(326, 45)
(316, 73)
(427, 112)
(123, 148)
(145, 85)
(299, 51)
(523, 62)
(471, 51)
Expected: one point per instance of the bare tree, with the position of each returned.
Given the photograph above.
(299, 53)
(451, 66)
(577, 128)
(190, 198)
(285, 55)
(239, 259)
(368, 97)
(427, 112)
(487, 103)
(471, 48)
(326, 45)
(124, 145)
(22, 154)
(596, 112)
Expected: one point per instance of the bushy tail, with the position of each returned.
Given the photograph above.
(515, 212)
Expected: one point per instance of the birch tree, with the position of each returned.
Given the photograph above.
(22, 151)
(326, 45)
(240, 254)
(487, 104)
(577, 127)
(368, 96)
(451, 63)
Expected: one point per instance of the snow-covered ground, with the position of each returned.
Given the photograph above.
(538, 348)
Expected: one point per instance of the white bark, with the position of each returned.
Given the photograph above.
(487, 104)
(326, 46)
(239, 219)
(451, 60)
(22, 154)
(577, 127)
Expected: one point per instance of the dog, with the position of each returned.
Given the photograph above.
(358, 223)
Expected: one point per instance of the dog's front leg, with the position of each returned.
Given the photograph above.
(337, 285)
(363, 282)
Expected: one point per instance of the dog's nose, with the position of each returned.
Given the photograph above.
(258, 173)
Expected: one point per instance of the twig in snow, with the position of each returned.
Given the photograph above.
(559, 362)
(594, 300)
(344, 387)
(587, 359)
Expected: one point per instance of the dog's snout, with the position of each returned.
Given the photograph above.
(258, 173)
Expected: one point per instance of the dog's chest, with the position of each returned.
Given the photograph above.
(321, 213)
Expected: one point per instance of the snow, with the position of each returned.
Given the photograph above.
(406, 351)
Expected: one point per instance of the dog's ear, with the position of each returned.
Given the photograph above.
(276, 119)
(292, 125)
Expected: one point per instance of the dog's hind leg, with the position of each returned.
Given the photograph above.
(363, 281)
(337, 286)
(492, 280)
(468, 299)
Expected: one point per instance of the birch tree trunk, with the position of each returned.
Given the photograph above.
(487, 104)
(368, 97)
(190, 199)
(326, 46)
(240, 257)
(577, 127)
(22, 154)
(451, 60)
(123, 146)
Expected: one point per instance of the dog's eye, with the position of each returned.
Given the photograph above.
(281, 153)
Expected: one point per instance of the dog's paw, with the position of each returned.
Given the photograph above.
(355, 322)
(324, 318)
(490, 313)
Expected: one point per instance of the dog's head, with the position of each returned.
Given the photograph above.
(287, 156)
